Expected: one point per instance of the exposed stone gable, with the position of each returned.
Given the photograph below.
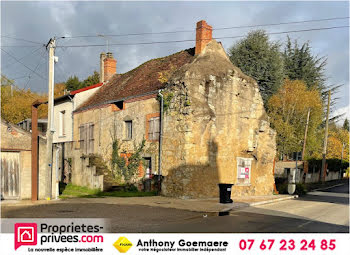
(216, 115)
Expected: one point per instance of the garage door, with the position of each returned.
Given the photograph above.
(10, 175)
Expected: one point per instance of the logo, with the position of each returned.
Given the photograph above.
(122, 244)
(25, 234)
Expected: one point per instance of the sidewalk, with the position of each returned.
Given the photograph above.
(196, 205)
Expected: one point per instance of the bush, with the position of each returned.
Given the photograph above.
(300, 189)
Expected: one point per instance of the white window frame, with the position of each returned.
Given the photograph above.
(242, 164)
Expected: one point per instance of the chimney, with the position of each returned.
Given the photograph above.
(102, 72)
(110, 66)
(203, 35)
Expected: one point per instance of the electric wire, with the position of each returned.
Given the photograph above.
(30, 75)
(223, 28)
(20, 39)
(23, 64)
(192, 40)
(30, 53)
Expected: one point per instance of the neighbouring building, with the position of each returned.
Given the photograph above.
(215, 128)
(16, 163)
(63, 127)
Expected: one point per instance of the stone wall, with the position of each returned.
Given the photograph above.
(109, 122)
(15, 139)
(216, 114)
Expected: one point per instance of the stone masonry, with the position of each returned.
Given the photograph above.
(216, 114)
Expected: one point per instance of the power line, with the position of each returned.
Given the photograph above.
(23, 64)
(39, 62)
(30, 53)
(20, 39)
(18, 46)
(223, 28)
(192, 40)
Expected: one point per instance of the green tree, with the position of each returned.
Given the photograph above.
(300, 64)
(91, 80)
(288, 110)
(73, 83)
(346, 124)
(261, 59)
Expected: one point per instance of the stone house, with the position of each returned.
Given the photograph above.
(212, 127)
(16, 163)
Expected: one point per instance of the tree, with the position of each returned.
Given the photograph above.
(338, 141)
(91, 80)
(346, 125)
(73, 83)
(288, 111)
(59, 89)
(300, 64)
(16, 103)
(261, 59)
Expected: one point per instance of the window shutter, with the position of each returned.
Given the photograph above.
(150, 129)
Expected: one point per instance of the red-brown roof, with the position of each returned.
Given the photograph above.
(86, 88)
(146, 78)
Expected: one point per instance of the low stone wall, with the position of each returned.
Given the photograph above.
(83, 174)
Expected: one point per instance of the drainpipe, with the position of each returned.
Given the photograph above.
(57, 179)
(73, 108)
(160, 139)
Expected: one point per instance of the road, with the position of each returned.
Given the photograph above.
(318, 212)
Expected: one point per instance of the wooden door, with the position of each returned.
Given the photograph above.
(10, 175)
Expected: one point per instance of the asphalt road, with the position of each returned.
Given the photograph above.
(318, 212)
(325, 211)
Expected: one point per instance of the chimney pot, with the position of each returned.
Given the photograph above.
(110, 66)
(203, 36)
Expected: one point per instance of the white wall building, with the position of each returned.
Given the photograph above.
(63, 112)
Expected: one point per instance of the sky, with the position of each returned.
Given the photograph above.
(37, 22)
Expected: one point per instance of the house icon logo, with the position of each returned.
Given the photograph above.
(25, 234)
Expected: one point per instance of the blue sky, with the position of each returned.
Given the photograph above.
(39, 21)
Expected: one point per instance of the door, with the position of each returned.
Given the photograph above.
(10, 175)
(148, 166)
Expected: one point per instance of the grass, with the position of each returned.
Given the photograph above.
(73, 191)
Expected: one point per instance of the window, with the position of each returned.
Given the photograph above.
(153, 128)
(244, 167)
(86, 138)
(90, 142)
(128, 130)
(61, 130)
(82, 137)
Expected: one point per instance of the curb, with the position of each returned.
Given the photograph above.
(273, 200)
(337, 185)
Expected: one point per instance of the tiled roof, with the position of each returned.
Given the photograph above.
(146, 78)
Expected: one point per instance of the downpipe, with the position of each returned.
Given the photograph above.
(160, 141)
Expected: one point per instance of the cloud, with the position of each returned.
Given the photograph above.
(39, 21)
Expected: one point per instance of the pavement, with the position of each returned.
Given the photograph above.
(195, 205)
(321, 211)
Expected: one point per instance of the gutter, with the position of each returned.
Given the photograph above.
(160, 139)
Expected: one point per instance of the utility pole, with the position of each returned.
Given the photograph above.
(323, 170)
(50, 129)
(307, 125)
